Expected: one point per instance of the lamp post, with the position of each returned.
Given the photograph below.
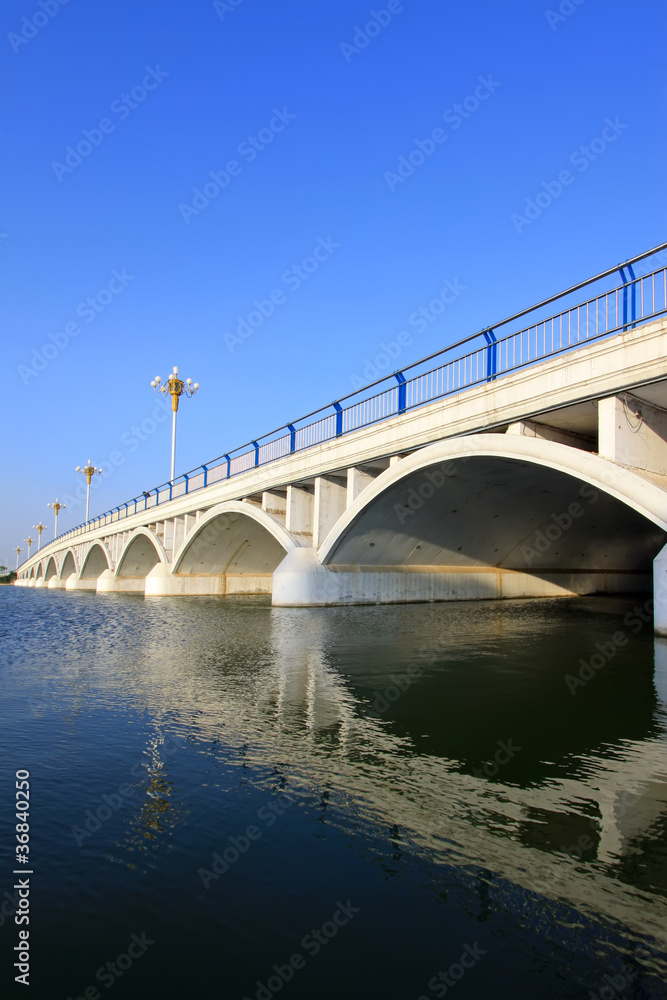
(88, 471)
(57, 507)
(29, 542)
(18, 551)
(176, 387)
(39, 528)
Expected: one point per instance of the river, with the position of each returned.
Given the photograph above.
(230, 800)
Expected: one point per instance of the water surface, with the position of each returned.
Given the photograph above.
(419, 785)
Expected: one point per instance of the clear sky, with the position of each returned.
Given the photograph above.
(296, 116)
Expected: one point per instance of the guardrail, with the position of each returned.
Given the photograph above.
(636, 299)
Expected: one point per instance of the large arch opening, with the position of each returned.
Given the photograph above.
(233, 549)
(51, 569)
(231, 543)
(95, 563)
(486, 518)
(40, 572)
(69, 566)
(497, 512)
(139, 557)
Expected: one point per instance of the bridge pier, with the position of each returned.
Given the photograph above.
(108, 583)
(302, 581)
(74, 583)
(161, 582)
(660, 593)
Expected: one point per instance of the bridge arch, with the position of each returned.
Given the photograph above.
(505, 502)
(51, 569)
(96, 561)
(68, 565)
(236, 538)
(143, 551)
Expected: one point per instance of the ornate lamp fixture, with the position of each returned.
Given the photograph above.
(175, 387)
(88, 471)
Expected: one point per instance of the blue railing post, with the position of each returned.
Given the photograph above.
(205, 468)
(229, 465)
(187, 482)
(256, 447)
(292, 438)
(339, 419)
(625, 297)
(629, 283)
(402, 391)
(491, 355)
(171, 485)
(633, 296)
(157, 495)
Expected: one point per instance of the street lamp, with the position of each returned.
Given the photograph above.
(39, 528)
(29, 541)
(57, 507)
(176, 387)
(18, 551)
(88, 471)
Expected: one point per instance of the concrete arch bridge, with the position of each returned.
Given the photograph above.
(549, 480)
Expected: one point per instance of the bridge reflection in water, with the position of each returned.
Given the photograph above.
(569, 813)
(443, 775)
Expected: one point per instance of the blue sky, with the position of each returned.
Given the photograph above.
(303, 113)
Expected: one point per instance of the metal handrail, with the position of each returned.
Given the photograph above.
(637, 298)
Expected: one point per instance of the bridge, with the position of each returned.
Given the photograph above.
(527, 460)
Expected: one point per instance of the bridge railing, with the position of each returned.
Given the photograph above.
(482, 357)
